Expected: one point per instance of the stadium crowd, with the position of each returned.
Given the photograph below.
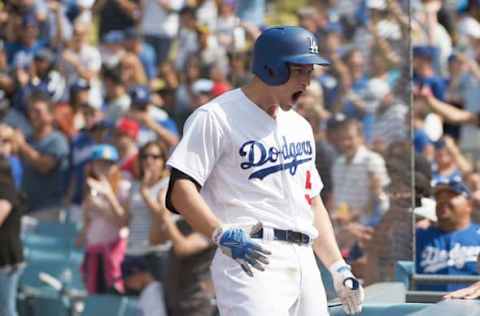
(94, 95)
(445, 41)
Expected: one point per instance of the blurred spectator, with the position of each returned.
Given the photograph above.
(45, 159)
(69, 116)
(83, 61)
(105, 219)
(424, 74)
(160, 24)
(132, 71)
(21, 50)
(13, 117)
(94, 133)
(11, 252)
(154, 121)
(188, 287)
(356, 208)
(390, 115)
(183, 94)
(112, 49)
(8, 153)
(238, 74)
(124, 138)
(146, 54)
(206, 12)
(117, 15)
(147, 203)
(209, 52)
(46, 77)
(251, 11)
(136, 275)
(187, 40)
(426, 29)
(449, 163)
(228, 32)
(117, 101)
(453, 244)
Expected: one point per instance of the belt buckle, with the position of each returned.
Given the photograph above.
(293, 237)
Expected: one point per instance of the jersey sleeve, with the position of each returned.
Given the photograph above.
(200, 147)
(317, 183)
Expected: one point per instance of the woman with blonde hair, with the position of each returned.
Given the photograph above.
(105, 221)
(132, 70)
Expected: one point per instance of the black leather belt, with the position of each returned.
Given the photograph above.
(286, 235)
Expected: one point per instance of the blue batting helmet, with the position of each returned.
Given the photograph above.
(279, 46)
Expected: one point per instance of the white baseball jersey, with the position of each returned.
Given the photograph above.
(251, 167)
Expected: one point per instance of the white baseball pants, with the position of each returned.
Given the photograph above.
(291, 284)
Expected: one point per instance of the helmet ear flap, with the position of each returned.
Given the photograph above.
(278, 74)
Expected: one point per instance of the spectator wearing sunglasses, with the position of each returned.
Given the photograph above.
(146, 202)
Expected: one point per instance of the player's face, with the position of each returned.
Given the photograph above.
(452, 209)
(288, 94)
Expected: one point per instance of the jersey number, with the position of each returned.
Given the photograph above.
(308, 188)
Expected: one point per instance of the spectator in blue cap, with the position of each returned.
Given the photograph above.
(452, 244)
(154, 121)
(27, 42)
(134, 44)
(105, 218)
(424, 74)
(112, 49)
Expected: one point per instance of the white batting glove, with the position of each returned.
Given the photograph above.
(348, 288)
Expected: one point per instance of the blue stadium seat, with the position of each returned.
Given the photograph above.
(404, 271)
(110, 305)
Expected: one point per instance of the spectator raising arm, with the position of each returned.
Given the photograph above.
(447, 111)
(41, 162)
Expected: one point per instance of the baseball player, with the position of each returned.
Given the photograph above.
(244, 174)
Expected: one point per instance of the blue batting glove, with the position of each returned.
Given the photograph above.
(235, 243)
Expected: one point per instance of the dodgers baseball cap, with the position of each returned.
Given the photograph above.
(453, 185)
(336, 120)
(139, 95)
(132, 265)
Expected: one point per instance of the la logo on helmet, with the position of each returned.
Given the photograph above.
(313, 46)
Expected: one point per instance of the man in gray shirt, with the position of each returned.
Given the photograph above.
(45, 160)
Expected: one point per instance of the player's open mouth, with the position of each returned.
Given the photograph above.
(296, 96)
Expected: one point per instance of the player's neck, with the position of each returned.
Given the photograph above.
(259, 94)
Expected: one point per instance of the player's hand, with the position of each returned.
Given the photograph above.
(348, 288)
(236, 243)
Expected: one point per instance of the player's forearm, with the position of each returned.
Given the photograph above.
(325, 246)
(188, 201)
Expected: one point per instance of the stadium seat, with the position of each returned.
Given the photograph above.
(110, 305)
(404, 271)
